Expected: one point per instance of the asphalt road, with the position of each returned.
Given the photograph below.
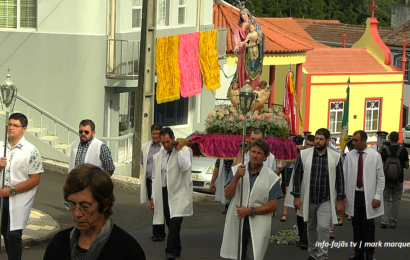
(202, 233)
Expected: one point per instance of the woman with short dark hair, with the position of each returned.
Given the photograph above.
(88, 194)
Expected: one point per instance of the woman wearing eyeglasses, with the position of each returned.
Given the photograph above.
(88, 194)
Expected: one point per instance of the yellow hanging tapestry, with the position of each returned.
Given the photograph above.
(166, 64)
(208, 58)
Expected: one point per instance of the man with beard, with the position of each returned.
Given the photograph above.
(318, 188)
(90, 150)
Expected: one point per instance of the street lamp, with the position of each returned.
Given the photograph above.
(8, 93)
(244, 101)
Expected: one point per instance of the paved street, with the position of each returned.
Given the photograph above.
(202, 233)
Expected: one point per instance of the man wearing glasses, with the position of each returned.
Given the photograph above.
(90, 150)
(23, 167)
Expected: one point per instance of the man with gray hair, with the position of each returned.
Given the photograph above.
(261, 191)
(148, 150)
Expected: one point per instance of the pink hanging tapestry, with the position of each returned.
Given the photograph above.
(188, 62)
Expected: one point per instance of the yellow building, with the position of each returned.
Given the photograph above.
(376, 88)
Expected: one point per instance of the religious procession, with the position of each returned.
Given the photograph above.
(296, 134)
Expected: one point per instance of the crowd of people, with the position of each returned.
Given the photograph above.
(323, 185)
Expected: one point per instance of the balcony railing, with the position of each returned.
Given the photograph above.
(221, 42)
(121, 148)
(122, 59)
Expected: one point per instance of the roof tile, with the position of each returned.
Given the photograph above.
(341, 60)
(333, 33)
(396, 37)
(306, 22)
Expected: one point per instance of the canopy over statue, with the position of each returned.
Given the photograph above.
(250, 45)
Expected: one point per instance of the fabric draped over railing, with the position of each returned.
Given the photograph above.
(208, 58)
(227, 146)
(166, 64)
(191, 83)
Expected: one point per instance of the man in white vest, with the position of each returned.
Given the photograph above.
(90, 150)
(172, 189)
(261, 191)
(318, 191)
(363, 169)
(148, 150)
(256, 134)
(22, 175)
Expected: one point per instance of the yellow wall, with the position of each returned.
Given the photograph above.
(389, 92)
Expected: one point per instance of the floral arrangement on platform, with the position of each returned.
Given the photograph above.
(229, 120)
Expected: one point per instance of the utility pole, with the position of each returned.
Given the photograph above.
(144, 96)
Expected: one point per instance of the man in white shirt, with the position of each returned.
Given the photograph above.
(148, 150)
(364, 177)
(172, 188)
(23, 168)
(90, 150)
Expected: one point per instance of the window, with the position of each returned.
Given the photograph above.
(136, 13)
(336, 116)
(397, 62)
(172, 113)
(372, 115)
(181, 12)
(11, 18)
(162, 13)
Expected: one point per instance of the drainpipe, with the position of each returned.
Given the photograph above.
(344, 41)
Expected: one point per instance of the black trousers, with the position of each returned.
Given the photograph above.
(174, 227)
(157, 230)
(302, 229)
(247, 251)
(363, 228)
(12, 239)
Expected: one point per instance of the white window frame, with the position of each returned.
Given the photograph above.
(336, 111)
(369, 124)
(136, 5)
(182, 10)
(163, 7)
(19, 17)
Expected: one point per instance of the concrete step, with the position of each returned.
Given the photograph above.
(64, 148)
(51, 139)
(37, 131)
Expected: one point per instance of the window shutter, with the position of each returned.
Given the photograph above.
(8, 13)
(28, 13)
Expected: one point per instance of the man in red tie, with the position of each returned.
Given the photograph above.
(363, 170)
